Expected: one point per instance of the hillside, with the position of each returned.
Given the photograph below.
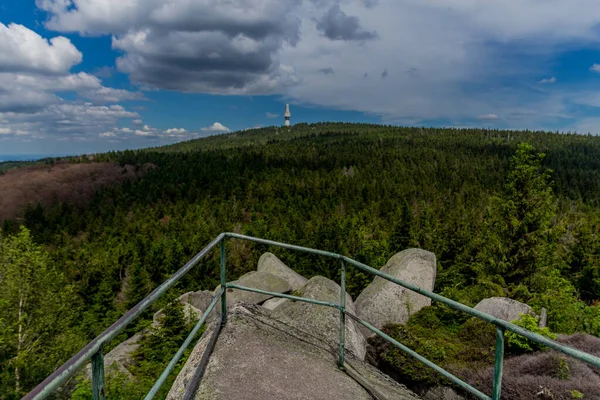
(367, 191)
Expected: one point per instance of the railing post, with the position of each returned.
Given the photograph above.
(98, 376)
(498, 364)
(223, 284)
(342, 316)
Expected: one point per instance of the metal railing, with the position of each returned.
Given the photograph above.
(93, 351)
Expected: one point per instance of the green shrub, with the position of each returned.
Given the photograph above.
(517, 344)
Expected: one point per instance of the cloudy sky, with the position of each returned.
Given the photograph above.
(92, 75)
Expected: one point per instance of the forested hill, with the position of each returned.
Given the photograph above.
(502, 219)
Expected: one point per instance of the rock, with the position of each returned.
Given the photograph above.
(191, 313)
(441, 393)
(257, 280)
(273, 303)
(384, 302)
(268, 262)
(122, 353)
(321, 321)
(543, 318)
(503, 308)
(259, 357)
(194, 305)
(119, 358)
(201, 299)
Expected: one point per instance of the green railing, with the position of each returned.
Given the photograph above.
(93, 351)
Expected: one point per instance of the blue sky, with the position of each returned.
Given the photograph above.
(80, 76)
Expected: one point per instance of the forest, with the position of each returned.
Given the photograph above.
(507, 213)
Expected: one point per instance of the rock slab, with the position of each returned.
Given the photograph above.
(503, 308)
(257, 280)
(258, 357)
(384, 302)
(268, 262)
(322, 321)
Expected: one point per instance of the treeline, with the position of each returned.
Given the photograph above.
(498, 216)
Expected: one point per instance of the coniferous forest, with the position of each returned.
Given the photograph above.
(507, 213)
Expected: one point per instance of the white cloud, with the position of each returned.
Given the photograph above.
(488, 117)
(283, 46)
(137, 121)
(271, 115)
(21, 49)
(217, 127)
(595, 68)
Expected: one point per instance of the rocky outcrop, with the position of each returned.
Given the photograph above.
(273, 303)
(194, 305)
(256, 280)
(120, 358)
(384, 302)
(258, 356)
(269, 263)
(503, 308)
(321, 321)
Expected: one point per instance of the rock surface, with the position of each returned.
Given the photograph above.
(257, 280)
(273, 303)
(258, 357)
(503, 308)
(268, 262)
(384, 302)
(190, 313)
(321, 321)
(441, 393)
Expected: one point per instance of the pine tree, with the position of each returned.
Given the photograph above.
(402, 235)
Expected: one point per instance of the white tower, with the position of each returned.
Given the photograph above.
(287, 115)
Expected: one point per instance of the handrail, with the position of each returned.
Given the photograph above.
(93, 351)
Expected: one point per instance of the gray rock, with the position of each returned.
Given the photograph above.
(191, 314)
(268, 262)
(257, 280)
(441, 393)
(543, 318)
(384, 302)
(503, 308)
(322, 321)
(119, 358)
(201, 299)
(273, 303)
(258, 357)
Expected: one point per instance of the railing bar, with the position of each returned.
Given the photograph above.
(588, 358)
(98, 392)
(190, 391)
(283, 245)
(60, 376)
(419, 357)
(287, 296)
(223, 280)
(498, 364)
(342, 315)
(165, 374)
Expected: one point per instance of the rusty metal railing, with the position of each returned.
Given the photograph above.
(93, 351)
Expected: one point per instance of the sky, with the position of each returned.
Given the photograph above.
(84, 76)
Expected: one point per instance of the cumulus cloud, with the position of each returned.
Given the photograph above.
(488, 117)
(336, 25)
(548, 80)
(66, 120)
(271, 115)
(209, 46)
(327, 70)
(470, 57)
(21, 49)
(217, 127)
